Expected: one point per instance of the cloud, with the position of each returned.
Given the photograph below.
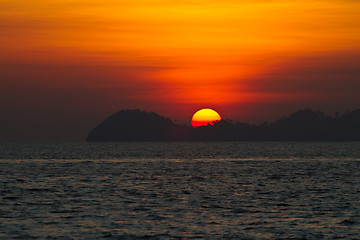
(332, 72)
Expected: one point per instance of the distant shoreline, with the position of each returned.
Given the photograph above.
(301, 126)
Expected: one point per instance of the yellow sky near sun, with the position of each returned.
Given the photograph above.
(215, 42)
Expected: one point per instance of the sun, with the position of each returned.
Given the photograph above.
(204, 117)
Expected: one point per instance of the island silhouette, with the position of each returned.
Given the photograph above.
(303, 125)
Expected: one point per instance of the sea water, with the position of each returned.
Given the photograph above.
(184, 190)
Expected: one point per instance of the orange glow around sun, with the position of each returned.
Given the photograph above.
(204, 117)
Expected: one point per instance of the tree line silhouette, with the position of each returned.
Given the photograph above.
(303, 125)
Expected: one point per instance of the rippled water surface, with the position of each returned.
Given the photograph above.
(180, 190)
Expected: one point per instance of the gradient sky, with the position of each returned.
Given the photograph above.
(65, 65)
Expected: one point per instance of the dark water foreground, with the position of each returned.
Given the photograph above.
(180, 191)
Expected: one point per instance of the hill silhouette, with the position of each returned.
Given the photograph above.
(136, 125)
(303, 125)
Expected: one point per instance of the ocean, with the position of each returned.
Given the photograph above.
(180, 190)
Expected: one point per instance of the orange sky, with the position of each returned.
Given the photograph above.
(66, 62)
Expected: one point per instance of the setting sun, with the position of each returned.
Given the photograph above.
(204, 117)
